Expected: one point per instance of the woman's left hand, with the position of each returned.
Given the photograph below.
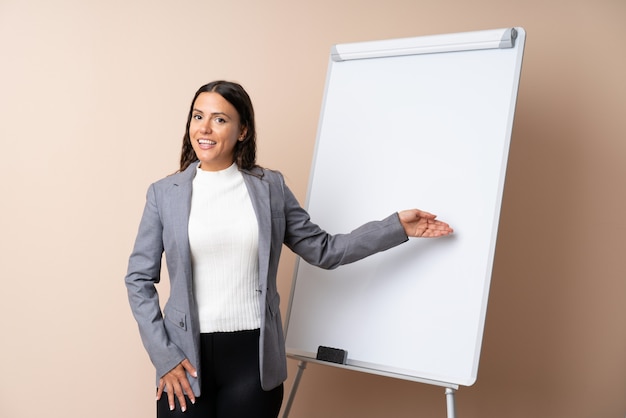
(420, 224)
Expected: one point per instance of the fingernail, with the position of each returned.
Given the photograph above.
(183, 409)
(171, 407)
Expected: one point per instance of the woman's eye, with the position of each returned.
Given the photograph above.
(197, 117)
(220, 120)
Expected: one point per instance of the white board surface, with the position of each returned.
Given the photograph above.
(421, 122)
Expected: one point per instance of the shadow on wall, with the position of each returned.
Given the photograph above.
(534, 337)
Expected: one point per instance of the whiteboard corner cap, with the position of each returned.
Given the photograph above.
(335, 55)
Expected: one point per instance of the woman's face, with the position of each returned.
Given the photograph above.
(214, 130)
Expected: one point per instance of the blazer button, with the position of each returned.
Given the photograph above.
(181, 324)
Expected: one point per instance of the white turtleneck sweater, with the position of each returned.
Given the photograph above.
(223, 236)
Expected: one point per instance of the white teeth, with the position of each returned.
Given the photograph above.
(206, 141)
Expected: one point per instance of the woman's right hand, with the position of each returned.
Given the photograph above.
(176, 384)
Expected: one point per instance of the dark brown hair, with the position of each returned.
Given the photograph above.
(245, 150)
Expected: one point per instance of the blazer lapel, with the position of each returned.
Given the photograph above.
(181, 206)
(259, 191)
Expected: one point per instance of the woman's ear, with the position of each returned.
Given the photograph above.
(243, 134)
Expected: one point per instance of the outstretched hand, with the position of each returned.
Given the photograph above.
(417, 223)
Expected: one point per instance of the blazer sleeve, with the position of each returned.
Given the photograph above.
(144, 271)
(327, 251)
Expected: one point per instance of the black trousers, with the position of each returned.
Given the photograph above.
(231, 383)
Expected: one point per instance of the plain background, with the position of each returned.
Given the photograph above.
(93, 101)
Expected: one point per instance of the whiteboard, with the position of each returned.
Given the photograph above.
(419, 122)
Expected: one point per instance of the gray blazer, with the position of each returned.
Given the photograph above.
(174, 334)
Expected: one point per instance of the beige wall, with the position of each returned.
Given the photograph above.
(93, 100)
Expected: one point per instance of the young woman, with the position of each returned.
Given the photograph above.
(221, 220)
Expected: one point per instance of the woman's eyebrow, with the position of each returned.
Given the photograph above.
(212, 114)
